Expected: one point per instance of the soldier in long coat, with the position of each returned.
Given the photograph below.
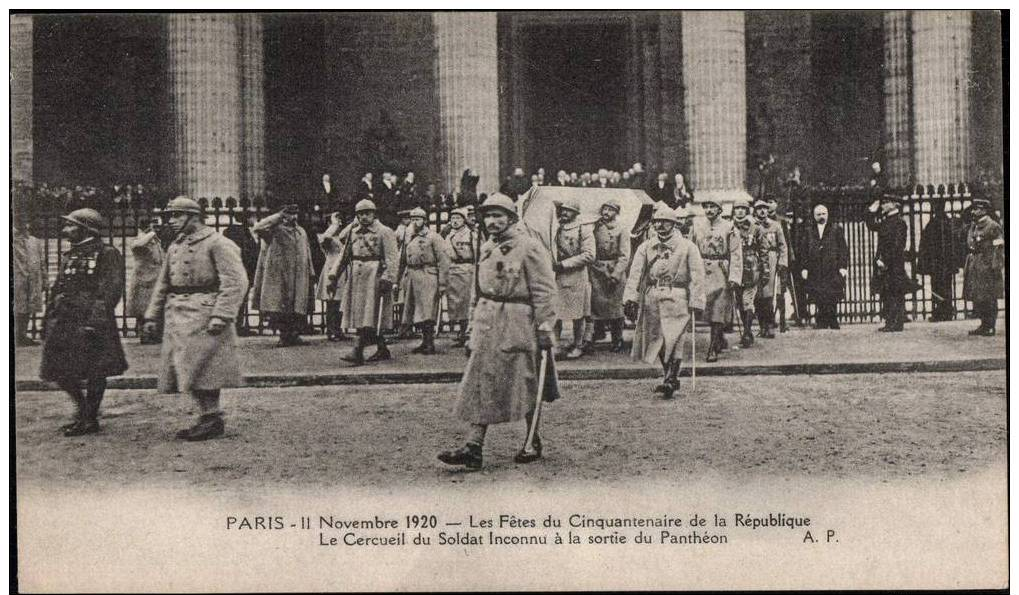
(30, 277)
(81, 341)
(329, 287)
(825, 262)
(666, 283)
(148, 262)
(370, 273)
(721, 250)
(575, 252)
(608, 272)
(983, 281)
(778, 267)
(755, 265)
(425, 266)
(197, 296)
(284, 275)
(513, 319)
(239, 232)
(461, 246)
(890, 279)
(941, 254)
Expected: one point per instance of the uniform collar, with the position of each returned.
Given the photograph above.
(197, 236)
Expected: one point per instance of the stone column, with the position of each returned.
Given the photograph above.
(467, 64)
(941, 72)
(21, 98)
(252, 106)
(898, 100)
(205, 84)
(715, 103)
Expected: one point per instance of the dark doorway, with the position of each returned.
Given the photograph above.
(574, 94)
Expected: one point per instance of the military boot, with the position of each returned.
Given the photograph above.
(529, 456)
(209, 426)
(617, 337)
(748, 332)
(713, 346)
(381, 353)
(356, 356)
(468, 455)
(671, 380)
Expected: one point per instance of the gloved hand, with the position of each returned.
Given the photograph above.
(385, 285)
(631, 309)
(216, 326)
(545, 339)
(803, 274)
(150, 328)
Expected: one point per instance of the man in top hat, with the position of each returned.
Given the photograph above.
(890, 278)
(81, 341)
(196, 297)
(666, 283)
(722, 251)
(512, 320)
(755, 266)
(777, 266)
(983, 281)
(575, 252)
(370, 274)
(285, 274)
(461, 245)
(425, 267)
(608, 272)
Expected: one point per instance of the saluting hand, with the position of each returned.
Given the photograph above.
(216, 326)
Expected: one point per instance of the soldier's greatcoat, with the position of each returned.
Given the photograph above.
(722, 253)
(576, 251)
(202, 277)
(755, 260)
(81, 328)
(330, 289)
(983, 281)
(517, 294)
(373, 256)
(426, 268)
(284, 274)
(778, 254)
(608, 272)
(460, 245)
(29, 262)
(148, 261)
(667, 280)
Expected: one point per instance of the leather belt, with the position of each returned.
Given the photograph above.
(504, 300)
(462, 261)
(185, 289)
(365, 258)
(714, 257)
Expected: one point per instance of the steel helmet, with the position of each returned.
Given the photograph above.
(499, 200)
(664, 213)
(462, 211)
(89, 219)
(183, 204)
(613, 203)
(418, 212)
(364, 205)
(569, 204)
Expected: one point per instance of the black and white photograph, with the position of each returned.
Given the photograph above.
(508, 299)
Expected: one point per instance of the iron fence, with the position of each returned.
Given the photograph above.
(847, 207)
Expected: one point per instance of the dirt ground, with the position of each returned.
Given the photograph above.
(839, 426)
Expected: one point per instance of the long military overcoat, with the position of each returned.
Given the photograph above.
(426, 269)
(373, 256)
(30, 277)
(461, 247)
(148, 261)
(576, 252)
(284, 274)
(983, 281)
(722, 252)
(608, 271)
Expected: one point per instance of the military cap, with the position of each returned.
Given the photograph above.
(364, 205)
(891, 198)
(981, 203)
(613, 203)
(404, 213)
(418, 212)
(291, 208)
(760, 202)
(183, 204)
(89, 219)
(569, 204)
(741, 203)
(499, 201)
(664, 213)
(462, 211)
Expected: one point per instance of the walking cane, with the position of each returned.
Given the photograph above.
(693, 349)
(529, 445)
(378, 322)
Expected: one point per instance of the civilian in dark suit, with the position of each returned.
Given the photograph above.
(825, 266)
(660, 190)
(942, 254)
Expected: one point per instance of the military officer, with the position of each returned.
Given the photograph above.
(608, 272)
(461, 245)
(370, 273)
(983, 281)
(328, 289)
(755, 265)
(684, 221)
(197, 295)
(285, 273)
(81, 340)
(665, 284)
(406, 327)
(425, 272)
(575, 252)
(777, 266)
(513, 319)
(721, 249)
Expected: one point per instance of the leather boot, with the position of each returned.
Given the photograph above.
(671, 380)
(427, 346)
(356, 356)
(209, 426)
(524, 456)
(748, 332)
(382, 352)
(617, 336)
(468, 455)
(712, 355)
